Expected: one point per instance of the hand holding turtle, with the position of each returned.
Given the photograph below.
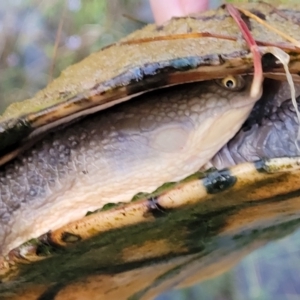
(164, 10)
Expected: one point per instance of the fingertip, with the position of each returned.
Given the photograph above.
(193, 6)
(165, 10)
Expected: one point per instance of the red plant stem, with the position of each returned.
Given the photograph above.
(258, 72)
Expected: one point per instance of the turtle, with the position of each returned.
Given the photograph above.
(151, 164)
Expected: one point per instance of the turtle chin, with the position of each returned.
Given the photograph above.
(270, 131)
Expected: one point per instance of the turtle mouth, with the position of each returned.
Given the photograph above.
(270, 131)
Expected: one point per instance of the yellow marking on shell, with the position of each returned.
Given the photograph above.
(282, 164)
(133, 213)
(183, 194)
(282, 176)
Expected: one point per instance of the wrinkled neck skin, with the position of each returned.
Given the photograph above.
(270, 131)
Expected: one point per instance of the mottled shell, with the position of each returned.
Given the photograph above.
(182, 232)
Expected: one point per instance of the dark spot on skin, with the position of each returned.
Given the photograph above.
(84, 172)
(159, 28)
(154, 208)
(219, 181)
(189, 29)
(70, 238)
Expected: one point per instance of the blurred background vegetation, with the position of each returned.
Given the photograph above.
(40, 38)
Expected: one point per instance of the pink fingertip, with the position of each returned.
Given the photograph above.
(165, 10)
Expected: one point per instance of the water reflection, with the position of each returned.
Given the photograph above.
(271, 272)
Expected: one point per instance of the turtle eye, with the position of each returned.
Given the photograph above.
(232, 83)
